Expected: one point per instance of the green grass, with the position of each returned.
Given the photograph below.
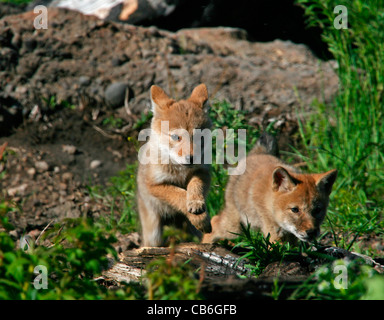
(18, 2)
(260, 251)
(119, 199)
(349, 133)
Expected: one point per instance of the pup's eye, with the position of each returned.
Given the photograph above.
(295, 210)
(175, 137)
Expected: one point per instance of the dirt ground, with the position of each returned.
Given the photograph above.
(50, 163)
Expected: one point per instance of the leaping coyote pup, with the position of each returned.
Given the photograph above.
(171, 187)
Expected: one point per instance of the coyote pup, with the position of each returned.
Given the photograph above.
(171, 187)
(274, 198)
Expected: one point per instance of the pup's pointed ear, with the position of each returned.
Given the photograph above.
(199, 95)
(282, 180)
(326, 180)
(159, 99)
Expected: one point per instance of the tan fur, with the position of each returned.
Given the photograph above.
(174, 191)
(264, 197)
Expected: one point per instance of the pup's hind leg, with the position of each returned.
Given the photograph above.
(151, 225)
(224, 226)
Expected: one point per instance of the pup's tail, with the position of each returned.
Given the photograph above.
(266, 144)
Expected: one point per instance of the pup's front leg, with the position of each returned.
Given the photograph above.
(190, 202)
(197, 212)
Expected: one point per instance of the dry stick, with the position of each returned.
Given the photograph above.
(42, 232)
(126, 105)
(58, 234)
(104, 133)
(300, 164)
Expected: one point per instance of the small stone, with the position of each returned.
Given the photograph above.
(69, 149)
(16, 40)
(30, 44)
(73, 214)
(19, 190)
(21, 90)
(67, 176)
(63, 186)
(41, 166)
(31, 172)
(115, 94)
(84, 81)
(116, 62)
(14, 234)
(95, 164)
(55, 196)
(117, 154)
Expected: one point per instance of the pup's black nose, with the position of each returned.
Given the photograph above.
(312, 234)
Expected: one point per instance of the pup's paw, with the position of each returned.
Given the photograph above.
(196, 206)
(201, 222)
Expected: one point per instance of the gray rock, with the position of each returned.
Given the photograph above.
(84, 80)
(115, 94)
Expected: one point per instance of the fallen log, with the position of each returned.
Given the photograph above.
(225, 274)
(217, 261)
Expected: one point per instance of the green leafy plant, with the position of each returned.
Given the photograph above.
(77, 255)
(339, 280)
(171, 279)
(53, 104)
(260, 250)
(352, 216)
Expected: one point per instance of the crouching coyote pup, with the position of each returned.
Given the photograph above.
(171, 187)
(274, 198)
